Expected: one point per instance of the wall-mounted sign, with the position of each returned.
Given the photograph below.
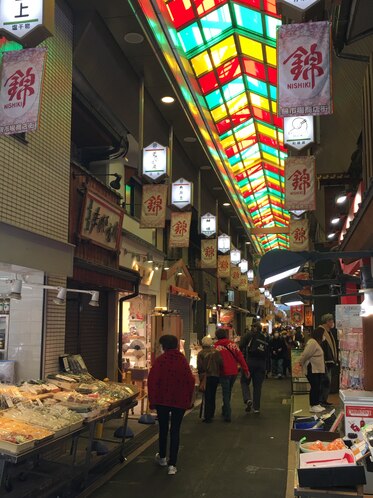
(155, 162)
(208, 224)
(101, 222)
(21, 90)
(297, 314)
(224, 243)
(181, 193)
(298, 131)
(154, 205)
(27, 21)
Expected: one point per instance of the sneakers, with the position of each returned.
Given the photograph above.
(161, 461)
(317, 409)
(326, 403)
(172, 470)
(249, 405)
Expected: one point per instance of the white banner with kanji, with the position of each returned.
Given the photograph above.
(180, 229)
(208, 253)
(299, 235)
(304, 69)
(154, 204)
(300, 183)
(235, 276)
(243, 283)
(224, 266)
(21, 90)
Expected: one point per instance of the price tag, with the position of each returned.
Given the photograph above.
(8, 401)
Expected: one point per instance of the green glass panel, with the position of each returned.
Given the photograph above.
(250, 151)
(248, 19)
(257, 86)
(214, 99)
(273, 92)
(269, 150)
(271, 26)
(216, 23)
(190, 37)
(225, 135)
(233, 88)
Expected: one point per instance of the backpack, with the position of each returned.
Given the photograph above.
(257, 347)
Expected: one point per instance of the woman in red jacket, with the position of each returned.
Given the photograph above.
(170, 390)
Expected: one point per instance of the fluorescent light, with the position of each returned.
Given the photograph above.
(167, 99)
(295, 303)
(335, 221)
(226, 204)
(341, 198)
(280, 276)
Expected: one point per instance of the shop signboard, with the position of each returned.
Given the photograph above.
(299, 235)
(304, 69)
(154, 205)
(300, 183)
(208, 225)
(155, 162)
(298, 132)
(224, 266)
(308, 316)
(208, 253)
(181, 193)
(21, 90)
(235, 276)
(297, 315)
(27, 21)
(180, 229)
(101, 222)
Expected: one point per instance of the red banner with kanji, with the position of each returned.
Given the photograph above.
(297, 315)
(251, 288)
(224, 266)
(235, 276)
(180, 229)
(300, 183)
(208, 253)
(299, 235)
(154, 205)
(304, 69)
(243, 283)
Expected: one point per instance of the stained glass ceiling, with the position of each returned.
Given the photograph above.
(231, 48)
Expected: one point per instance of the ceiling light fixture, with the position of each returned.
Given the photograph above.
(167, 99)
(341, 198)
(250, 275)
(331, 235)
(60, 299)
(94, 299)
(294, 303)
(166, 265)
(226, 204)
(190, 140)
(134, 38)
(335, 221)
(149, 258)
(15, 290)
(179, 273)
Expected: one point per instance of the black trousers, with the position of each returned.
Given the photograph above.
(177, 415)
(315, 382)
(325, 384)
(257, 369)
(210, 396)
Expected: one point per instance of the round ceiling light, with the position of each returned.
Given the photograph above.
(335, 221)
(134, 38)
(331, 235)
(226, 204)
(190, 139)
(167, 99)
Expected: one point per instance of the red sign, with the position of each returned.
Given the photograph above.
(154, 204)
(300, 183)
(297, 314)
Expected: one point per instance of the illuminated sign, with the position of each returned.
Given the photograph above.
(155, 162)
(181, 193)
(298, 131)
(208, 224)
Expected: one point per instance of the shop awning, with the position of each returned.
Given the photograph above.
(184, 292)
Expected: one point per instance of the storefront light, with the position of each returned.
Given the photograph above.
(179, 273)
(16, 289)
(235, 256)
(244, 265)
(250, 275)
(166, 265)
(149, 258)
(60, 299)
(224, 243)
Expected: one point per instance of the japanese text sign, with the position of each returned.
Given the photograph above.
(298, 131)
(297, 315)
(101, 222)
(154, 204)
(208, 224)
(251, 290)
(180, 229)
(181, 193)
(235, 276)
(224, 266)
(27, 21)
(208, 253)
(308, 316)
(243, 283)
(300, 183)
(304, 71)
(21, 90)
(299, 235)
(155, 162)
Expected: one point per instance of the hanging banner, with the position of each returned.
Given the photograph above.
(235, 276)
(300, 183)
(297, 314)
(208, 253)
(224, 266)
(299, 235)
(21, 90)
(243, 283)
(308, 316)
(251, 290)
(304, 69)
(180, 229)
(154, 204)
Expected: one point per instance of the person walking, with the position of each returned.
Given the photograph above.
(289, 345)
(231, 356)
(170, 390)
(209, 366)
(254, 347)
(313, 364)
(330, 349)
(277, 346)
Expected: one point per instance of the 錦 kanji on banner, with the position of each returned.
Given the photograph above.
(299, 235)
(208, 253)
(154, 204)
(180, 229)
(235, 276)
(304, 69)
(300, 183)
(224, 266)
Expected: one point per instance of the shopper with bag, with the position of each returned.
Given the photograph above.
(170, 390)
(231, 356)
(209, 365)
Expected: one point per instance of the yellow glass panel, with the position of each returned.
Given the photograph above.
(228, 142)
(251, 48)
(223, 51)
(245, 132)
(219, 113)
(267, 130)
(237, 103)
(274, 106)
(271, 55)
(201, 63)
(258, 101)
(248, 163)
(270, 158)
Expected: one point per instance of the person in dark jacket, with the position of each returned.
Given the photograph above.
(209, 363)
(254, 347)
(277, 347)
(170, 390)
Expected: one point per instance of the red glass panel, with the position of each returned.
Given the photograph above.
(231, 151)
(181, 12)
(251, 3)
(256, 69)
(223, 126)
(262, 115)
(272, 75)
(229, 71)
(268, 140)
(208, 83)
(247, 142)
(279, 122)
(270, 7)
(271, 168)
(240, 117)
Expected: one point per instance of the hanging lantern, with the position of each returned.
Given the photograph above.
(224, 243)
(208, 224)
(250, 275)
(267, 293)
(235, 256)
(244, 265)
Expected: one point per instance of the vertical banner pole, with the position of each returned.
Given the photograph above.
(141, 123)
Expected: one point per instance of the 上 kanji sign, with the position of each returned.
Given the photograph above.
(155, 162)
(154, 204)
(208, 224)
(101, 222)
(299, 235)
(300, 183)
(27, 21)
(181, 193)
(21, 89)
(224, 266)
(208, 253)
(298, 131)
(180, 229)
(304, 69)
